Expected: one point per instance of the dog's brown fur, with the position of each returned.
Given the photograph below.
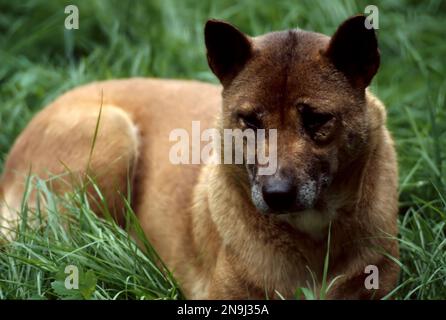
(202, 219)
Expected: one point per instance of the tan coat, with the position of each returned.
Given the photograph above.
(201, 218)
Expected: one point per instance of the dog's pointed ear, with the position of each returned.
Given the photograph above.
(228, 49)
(353, 49)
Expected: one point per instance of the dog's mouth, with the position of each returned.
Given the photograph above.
(277, 202)
(290, 212)
(292, 200)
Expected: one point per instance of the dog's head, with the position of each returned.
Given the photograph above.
(309, 87)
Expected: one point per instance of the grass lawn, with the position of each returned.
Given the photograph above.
(39, 60)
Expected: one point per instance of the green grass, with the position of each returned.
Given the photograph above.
(68, 233)
(39, 60)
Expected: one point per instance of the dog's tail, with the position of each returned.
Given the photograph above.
(5, 226)
(2, 200)
(2, 213)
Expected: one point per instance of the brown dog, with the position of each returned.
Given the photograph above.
(224, 230)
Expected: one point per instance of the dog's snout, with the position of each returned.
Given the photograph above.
(279, 194)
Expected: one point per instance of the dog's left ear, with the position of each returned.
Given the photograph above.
(353, 49)
(228, 49)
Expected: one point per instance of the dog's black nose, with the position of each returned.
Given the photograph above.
(279, 194)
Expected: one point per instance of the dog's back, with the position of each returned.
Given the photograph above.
(137, 116)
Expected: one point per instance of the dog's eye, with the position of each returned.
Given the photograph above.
(315, 122)
(249, 121)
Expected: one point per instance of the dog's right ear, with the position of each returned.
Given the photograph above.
(228, 49)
